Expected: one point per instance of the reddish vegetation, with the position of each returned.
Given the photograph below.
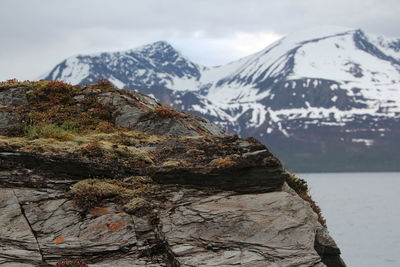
(8, 82)
(168, 113)
(71, 263)
(103, 81)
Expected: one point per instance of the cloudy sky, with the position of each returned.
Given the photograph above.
(35, 35)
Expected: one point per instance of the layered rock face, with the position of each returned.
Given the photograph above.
(210, 199)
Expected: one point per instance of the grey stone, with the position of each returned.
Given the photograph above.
(272, 229)
(18, 243)
(13, 97)
(8, 120)
(128, 116)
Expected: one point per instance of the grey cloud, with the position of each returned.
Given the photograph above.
(36, 34)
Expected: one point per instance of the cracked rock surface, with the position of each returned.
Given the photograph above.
(270, 229)
(195, 227)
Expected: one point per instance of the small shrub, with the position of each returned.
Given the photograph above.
(86, 197)
(297, 184)
(89, 193)
(92, 149)
(10, 83)
(71, 263)
(103, 82)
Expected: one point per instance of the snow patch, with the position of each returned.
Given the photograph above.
(367, 142)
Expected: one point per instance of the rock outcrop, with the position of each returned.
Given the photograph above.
(157, 187)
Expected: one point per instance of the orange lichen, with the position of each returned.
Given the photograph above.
(59, 240)
(115, 226)
(98, 211)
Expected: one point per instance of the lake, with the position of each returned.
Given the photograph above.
(363, 215)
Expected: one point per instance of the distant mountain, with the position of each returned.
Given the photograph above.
(310, 96)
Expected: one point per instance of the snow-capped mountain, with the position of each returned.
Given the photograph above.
(327, 95)
(158, 64)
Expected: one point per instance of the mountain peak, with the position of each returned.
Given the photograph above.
(318, 32)
(155, 46)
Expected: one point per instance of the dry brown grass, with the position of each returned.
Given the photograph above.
(223, 162)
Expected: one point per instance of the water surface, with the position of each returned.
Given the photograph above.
(363, 215)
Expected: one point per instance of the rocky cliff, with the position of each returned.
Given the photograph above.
(92, 175)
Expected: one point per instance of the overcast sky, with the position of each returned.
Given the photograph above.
(35, 35)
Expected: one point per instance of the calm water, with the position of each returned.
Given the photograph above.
(363, 215)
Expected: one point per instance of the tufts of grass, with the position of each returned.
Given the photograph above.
(137, 205)
(48, 131)
(131, 193)
(103, 150)
(300, 186)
